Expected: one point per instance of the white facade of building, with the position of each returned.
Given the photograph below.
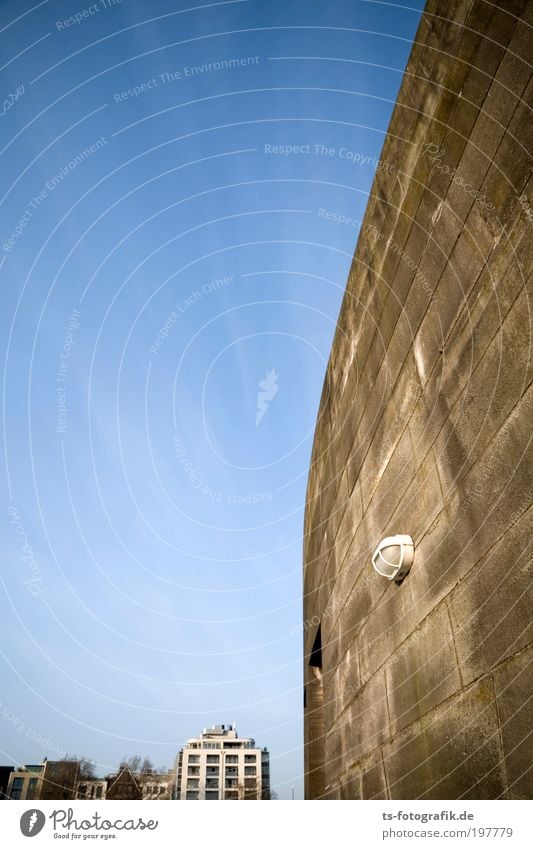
(221, 765)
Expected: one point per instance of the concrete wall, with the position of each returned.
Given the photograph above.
(423, 428)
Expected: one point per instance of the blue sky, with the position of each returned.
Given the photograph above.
(167, 265)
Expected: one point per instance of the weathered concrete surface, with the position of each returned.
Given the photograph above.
(424, 428)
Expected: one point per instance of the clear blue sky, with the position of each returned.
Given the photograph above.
(163, 253)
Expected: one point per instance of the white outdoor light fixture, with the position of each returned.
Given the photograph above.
(393, 557)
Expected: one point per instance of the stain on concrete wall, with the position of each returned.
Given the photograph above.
(424, 428)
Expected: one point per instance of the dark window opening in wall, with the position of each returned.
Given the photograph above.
(315, 658)
(305, 697)
(16, 788)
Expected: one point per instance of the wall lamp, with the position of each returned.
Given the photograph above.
(394, 556)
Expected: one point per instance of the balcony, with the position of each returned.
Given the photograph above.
(231, 794)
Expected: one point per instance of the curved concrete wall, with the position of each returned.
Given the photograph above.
(420, 690)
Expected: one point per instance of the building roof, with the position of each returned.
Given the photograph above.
(123, 773)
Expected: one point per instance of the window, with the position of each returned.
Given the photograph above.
(211, 794)
(32, 788)
(16, 788)
(232, 759)
(191, 794)
(194, 770)
(194, 759)
(212, 759)
(249, 759)
(193, 783)
(212, 783)
(249, 770)
(232, 794)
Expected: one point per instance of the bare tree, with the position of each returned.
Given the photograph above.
(137, 764)
(86, 767)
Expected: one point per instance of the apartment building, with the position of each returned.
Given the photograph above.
(25, 783)
(91, 788)
(46, 780)
(221, 765)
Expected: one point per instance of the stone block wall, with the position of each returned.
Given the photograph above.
(420, 690)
